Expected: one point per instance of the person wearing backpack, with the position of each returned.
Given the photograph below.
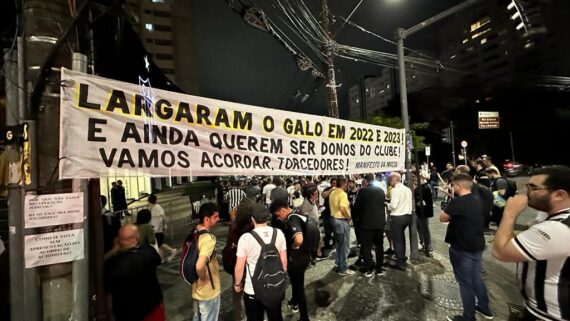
(298, 253)
(502, 189)
(206, 289)
(262, 255)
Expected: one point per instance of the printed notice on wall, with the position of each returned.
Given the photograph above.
(53, 209)
(52, 248)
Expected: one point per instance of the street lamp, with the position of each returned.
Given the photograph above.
(402, 34)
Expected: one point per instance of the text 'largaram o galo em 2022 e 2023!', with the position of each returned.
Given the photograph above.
(114, 128)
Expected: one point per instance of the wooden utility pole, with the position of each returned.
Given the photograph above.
(328, 51)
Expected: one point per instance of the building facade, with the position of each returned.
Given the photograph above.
(490, 42)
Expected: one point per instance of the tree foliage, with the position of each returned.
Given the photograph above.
(396, 122)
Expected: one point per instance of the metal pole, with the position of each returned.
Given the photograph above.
(15, 217)
(80, 276)
(414, 252)
(22, 97)
(452, 143)
(439, 16)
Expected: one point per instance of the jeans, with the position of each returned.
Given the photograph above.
(297, 278)
(370, 238)
(467, 268)
(207, 310)
(342, 237)
(398, 225)
(434, 189)
(254, 310)
(423, 231)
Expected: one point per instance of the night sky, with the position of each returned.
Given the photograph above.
(243, 64)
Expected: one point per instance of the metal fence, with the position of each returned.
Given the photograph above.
(177, 220)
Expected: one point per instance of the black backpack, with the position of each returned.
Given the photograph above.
(511, 188)
(189, 257)
(269, 280)
(311, 233)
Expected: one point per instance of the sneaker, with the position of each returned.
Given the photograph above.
(347, 272)
(455, 318)
(486, 315)
(293, 307)
(368, 274)
(320, 258)
(379, 272)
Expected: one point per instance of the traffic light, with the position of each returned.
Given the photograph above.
(446, 135)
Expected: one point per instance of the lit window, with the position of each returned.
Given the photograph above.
(158, 1)
(520, 26)
(453, 57)
(480, 33)
(465, 40)
(480, 23)
(148, 26)
(484, 40)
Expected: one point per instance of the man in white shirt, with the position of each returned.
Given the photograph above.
(248, 251)
(400, 207)
(542, 249)
(266, 193)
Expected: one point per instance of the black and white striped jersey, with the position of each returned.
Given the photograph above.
(235, 195)
(545, 277)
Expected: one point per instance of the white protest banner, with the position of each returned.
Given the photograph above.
(52, 248)
(53, 209)
(109, 128)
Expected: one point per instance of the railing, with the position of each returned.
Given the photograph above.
(176, 221)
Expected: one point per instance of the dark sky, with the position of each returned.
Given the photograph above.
(239, 63)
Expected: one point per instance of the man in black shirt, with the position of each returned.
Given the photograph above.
(130, 279)
(369, 211)
(465, 236)
(298, 254)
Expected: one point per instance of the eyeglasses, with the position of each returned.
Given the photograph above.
(532, 187)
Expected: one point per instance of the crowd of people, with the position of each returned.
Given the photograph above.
(279, 227)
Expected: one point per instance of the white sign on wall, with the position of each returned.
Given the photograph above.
(53, 209)
(52, 248)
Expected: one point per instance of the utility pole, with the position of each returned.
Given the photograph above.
(402, 34)
(328, 50)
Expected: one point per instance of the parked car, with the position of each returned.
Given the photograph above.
(513, 169)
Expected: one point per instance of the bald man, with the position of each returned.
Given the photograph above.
(130, 279)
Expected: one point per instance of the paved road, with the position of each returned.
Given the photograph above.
(426, 291)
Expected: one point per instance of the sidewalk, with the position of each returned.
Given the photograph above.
(426, 291)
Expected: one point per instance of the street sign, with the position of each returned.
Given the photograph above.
(463, 143)
(488, 119)
(428, 150)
